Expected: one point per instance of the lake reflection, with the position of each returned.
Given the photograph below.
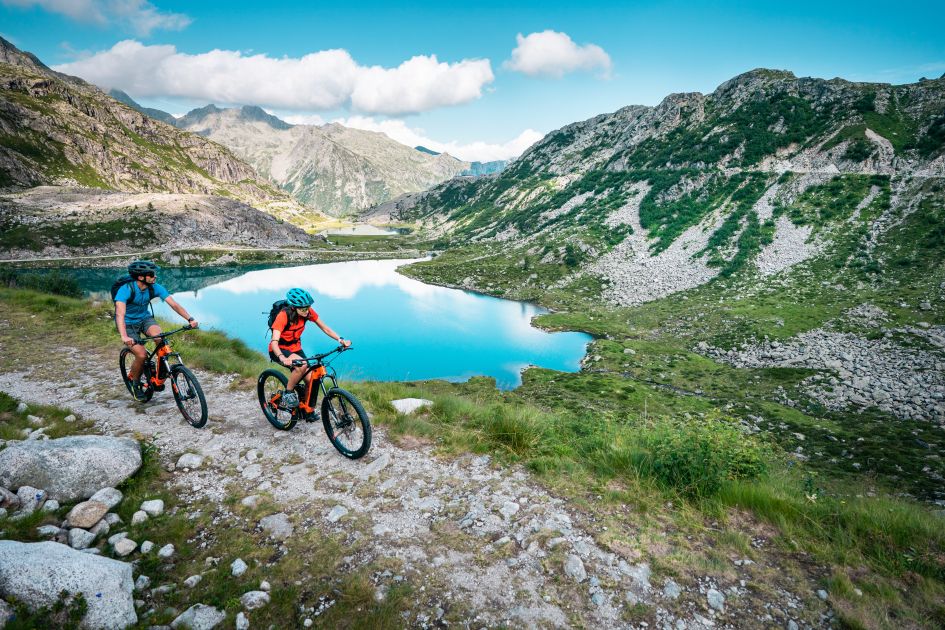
(402, 329)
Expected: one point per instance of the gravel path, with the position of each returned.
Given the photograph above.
(500, 544)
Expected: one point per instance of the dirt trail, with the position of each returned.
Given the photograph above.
(482, 537)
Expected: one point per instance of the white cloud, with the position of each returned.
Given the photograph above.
(554, 54)
(473, 151)
(320, 81)
(140, 16)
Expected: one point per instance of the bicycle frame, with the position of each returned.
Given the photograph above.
(162, 349)
(315, 378)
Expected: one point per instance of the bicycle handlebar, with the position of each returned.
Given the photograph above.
(168, 334)
(318, 357)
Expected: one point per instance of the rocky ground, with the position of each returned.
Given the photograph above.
(483, 545)
(901, 372)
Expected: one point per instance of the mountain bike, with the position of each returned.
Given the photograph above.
(158, 369)
(343, 416)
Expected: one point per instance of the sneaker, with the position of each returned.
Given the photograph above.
(315, 416)
(137, 391)
(290, 400)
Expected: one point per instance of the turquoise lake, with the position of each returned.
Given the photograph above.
(401, 329)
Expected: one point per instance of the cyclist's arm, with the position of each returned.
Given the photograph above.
(274, 347)
(180, 310)
(331, 333)
(120, 320)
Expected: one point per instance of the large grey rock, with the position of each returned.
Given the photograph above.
(407, 406)
(190, 460)
(70, 468)
(716, 599)
(238, 567)
(277, 525)
(31, 499)
(86, 514)
(124, 546)
(574, 568)
(154, 507)
(80, 539)
(254, 599)
(199, 617)
(35, 573)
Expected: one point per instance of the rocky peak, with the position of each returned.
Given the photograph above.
(195, 116)
(256, 113)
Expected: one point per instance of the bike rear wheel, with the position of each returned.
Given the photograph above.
(125, 359)
(346, 423)
(270, 386)
(189, 396)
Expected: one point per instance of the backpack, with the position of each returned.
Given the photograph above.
(277, 307)
(125, 279)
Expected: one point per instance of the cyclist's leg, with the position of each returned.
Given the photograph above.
(138, 349)
(297, 373)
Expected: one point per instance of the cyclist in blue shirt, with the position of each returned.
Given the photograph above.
(133, 317)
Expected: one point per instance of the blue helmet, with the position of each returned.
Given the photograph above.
(299, 298)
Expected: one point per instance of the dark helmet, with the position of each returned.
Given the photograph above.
(299, 298)
(142, 268)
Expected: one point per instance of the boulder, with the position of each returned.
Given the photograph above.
(70, 468)
(31, 499)
(86, 514)
(80, 538)
(35, 574)
(277, 525)
(109, 496)
(199, 617)
(407, 406)
(154, 507)
(124, 546)
(238, 567)
(254, 599)
(189, 460)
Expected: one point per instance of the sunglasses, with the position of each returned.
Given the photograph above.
(302, 308)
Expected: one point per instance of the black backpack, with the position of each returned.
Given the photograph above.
(125, 279)
(277, 307)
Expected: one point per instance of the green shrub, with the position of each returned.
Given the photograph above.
(520, 430)
(697, 457)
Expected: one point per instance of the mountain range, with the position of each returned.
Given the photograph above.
(335, 169)
(766, 172)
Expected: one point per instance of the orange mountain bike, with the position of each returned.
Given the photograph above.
(343, 416)
(158, 369)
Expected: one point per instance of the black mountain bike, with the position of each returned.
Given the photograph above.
(157, 369)
(343, 417)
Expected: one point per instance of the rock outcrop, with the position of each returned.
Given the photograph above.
(70, 468)
(36, 573)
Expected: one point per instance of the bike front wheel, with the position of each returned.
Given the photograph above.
(270, 386)
(125, 360)
(189, 396)
(346, 423)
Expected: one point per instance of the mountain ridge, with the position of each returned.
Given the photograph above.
(701, 187)
(332, 168)
(61, 130)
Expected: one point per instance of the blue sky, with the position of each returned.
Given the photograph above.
(476, 99)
